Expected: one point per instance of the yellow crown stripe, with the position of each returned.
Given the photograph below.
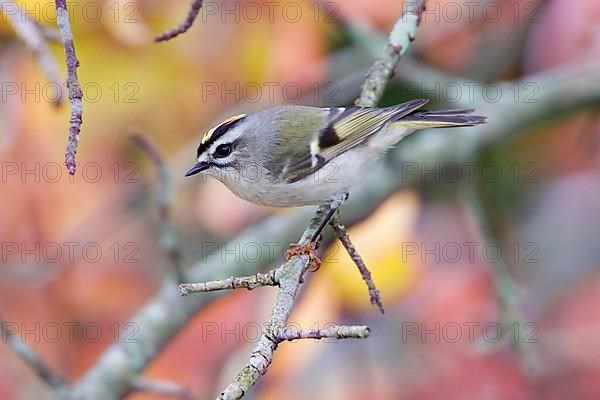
(207, 135)
(229, 120)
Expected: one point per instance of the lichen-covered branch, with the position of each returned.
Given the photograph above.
(185, 25)
(342, 235)
(234, 282)
(289, 277)
(333, 332)
(75, 92)
(401, 37)
(30, 357)
(34, 36)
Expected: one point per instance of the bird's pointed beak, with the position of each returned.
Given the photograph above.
(197, 168)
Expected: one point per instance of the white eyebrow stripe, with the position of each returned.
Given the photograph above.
(314, 150)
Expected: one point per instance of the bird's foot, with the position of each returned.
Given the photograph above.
(299, 249)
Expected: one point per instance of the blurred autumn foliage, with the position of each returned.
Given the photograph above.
(80, 255)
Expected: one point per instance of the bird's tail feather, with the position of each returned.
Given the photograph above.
(440, 119)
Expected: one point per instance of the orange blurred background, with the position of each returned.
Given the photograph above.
(81, 254)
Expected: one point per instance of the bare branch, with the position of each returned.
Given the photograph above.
(33, 35)
(184, 26)
(75, 92)
(334, 332)
(401, 37)
(242, 282)
(342, 235)
(29, 357)
(169, 239)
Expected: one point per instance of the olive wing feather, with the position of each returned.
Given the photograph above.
(344, 129)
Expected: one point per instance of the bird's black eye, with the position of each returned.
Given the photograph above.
(223, 150)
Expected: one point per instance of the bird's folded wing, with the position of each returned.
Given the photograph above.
(346, 128)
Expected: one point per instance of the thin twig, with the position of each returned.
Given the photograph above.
(334, 332)
(399, 41)
(33, 35)
(29, 357)
(242, 282)
(184, 26)
(169, 239)
(342, 235)
(161, 387)
(75, 92)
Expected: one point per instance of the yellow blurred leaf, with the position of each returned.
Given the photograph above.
(379, 241)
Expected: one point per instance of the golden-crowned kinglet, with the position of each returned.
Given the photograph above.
(295, 155)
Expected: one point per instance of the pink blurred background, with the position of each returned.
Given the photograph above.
(546, 226)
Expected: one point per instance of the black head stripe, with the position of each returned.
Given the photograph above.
(218, 131)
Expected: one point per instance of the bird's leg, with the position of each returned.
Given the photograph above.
(309, 248)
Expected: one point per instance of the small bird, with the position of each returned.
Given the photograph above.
(290, 156)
